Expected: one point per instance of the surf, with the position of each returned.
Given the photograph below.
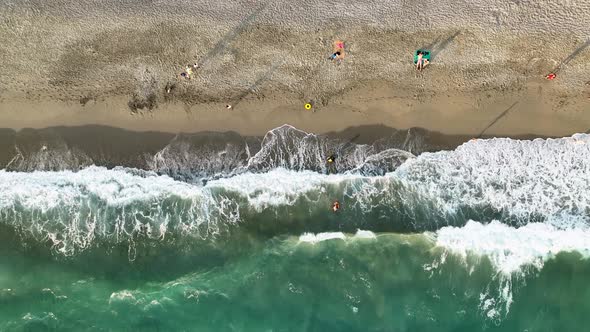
(514, 182)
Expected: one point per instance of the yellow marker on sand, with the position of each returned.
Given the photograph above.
(307, 106)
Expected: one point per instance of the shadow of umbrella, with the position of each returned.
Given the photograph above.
(230, 36)
(571, 56)
(436, 49)
(254, 86)
(437, 46)
(503, 114)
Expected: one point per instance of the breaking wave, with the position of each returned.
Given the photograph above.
(514, 182)
(512, 253)
(543, 179)
(204, 156)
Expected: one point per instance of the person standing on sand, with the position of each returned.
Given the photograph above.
(421, 63)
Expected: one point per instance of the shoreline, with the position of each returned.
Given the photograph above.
(200, 155)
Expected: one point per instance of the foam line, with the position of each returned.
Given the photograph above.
(525, 179)
(510, 249)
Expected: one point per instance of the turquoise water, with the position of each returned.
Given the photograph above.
(493, 236)
(285, 285)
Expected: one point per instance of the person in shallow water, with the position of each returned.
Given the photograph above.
(336, 206)
(331, 159)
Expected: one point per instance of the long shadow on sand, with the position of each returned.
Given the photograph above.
(254, 86)
(438, 46)
(570, 57)
(230, 36)
(503, 114)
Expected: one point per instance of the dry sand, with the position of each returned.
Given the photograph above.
(110, 63)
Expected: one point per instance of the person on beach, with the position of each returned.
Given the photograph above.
(169, 87)
(338, 51)
(551, 76)
(335, 55)
(421, 63)
(189, 71)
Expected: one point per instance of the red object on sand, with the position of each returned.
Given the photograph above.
(551, 76)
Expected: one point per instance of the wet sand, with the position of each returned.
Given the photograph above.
(468, 114)
(198, 154)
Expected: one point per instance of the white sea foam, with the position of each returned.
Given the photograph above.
(69, 208)
(319, 237)
(118, 187)
(72, 208)
(509, 249)
(123, 296)
(365, 234)
(315, 238)
(289, 147)
(548, 178)
(46, 190)
(279, 186)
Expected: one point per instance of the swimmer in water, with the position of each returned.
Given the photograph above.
(336, 206)
(331, 159)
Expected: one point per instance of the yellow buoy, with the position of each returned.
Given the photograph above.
(308, 106)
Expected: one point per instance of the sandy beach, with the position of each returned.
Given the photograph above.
(118, 64)
(133, 198)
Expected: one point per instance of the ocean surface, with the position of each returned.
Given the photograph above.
(491, 235)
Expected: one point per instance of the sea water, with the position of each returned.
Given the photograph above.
(492, 236)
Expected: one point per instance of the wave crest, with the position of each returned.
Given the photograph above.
(515, 182)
